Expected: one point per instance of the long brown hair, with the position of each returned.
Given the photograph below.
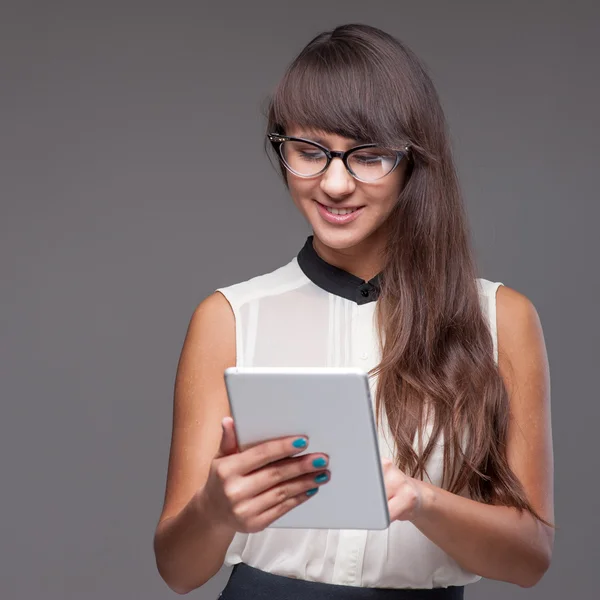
(437, 364)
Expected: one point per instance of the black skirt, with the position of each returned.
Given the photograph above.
(248, 583)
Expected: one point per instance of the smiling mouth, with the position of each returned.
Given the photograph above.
(340, 211)
(339, 216)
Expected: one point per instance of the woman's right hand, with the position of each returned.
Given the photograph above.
(249, 490)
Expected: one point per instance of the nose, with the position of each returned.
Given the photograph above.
(336, 182)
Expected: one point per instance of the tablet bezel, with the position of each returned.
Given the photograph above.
(355, 498)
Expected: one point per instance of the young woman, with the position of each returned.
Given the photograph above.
(386, 282)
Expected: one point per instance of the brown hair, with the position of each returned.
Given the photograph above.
(359, 82)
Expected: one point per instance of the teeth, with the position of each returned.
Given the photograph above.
(338, 211)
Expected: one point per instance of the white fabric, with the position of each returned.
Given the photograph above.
(284, 319)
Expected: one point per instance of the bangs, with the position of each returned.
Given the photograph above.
(342, 89)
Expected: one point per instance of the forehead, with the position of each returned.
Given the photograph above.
(323, 137)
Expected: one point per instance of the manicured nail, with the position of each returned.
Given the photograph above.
(319, 462)
(312, 492)
(299, 443)
(321, 478)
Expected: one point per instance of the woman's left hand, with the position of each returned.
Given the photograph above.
(404, 494)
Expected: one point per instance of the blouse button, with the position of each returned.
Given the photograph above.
(364, 356)
(364, 292)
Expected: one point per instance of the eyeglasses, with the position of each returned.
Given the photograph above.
(305, 158)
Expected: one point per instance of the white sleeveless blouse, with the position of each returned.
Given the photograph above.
(310, 313)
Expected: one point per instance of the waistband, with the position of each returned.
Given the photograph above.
(248, 583)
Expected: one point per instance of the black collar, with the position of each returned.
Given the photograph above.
(335, 280)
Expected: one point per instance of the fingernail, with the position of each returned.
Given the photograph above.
(319, 462)
(299, 443)
(312, 492)
(321, 478)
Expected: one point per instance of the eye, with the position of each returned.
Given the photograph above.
(373, 157)
(311, 154)
(303, 152)
(366, 159)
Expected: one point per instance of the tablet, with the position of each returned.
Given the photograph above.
(333, 407)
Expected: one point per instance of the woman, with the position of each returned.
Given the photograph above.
(387, 282)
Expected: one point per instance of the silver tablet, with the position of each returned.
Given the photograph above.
(333, 407)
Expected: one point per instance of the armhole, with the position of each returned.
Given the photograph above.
(237, 320)
(492, 316)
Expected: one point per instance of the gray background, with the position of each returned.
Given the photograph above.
(134, 184)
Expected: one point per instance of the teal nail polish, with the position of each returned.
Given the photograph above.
(319, 462)
(321, 478)
(299, 443)
(312, 492)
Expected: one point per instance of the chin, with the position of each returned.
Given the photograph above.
(339, 238)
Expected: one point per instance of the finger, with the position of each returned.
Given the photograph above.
(389, 479)
(288, 489)
(400, 507)
(280, 499)
(396, 507)
(267, 452)
(284, 470)
(228, 438)
(262, 521)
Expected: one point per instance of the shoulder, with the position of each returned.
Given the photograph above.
(276, 281)
(211, 331)
(514, 323)
(513, 309)
(213, 322)
(517, 319)
(522, 350)
(486, 288)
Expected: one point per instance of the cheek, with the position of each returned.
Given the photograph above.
(301, 191)
(391, 193)
(384, 198)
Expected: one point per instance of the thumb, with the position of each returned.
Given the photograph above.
(228, 439)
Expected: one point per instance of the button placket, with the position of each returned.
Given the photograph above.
(364, 342)
(349, 557)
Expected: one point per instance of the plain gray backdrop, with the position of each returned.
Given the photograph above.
(134, 183)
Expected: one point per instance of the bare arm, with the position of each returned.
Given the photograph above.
(498, 542)
(188, 544)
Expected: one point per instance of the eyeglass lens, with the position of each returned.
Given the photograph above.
(307, 160)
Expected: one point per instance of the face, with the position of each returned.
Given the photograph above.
(337, 188)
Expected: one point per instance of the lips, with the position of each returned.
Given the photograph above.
(338, 219)
(342, 207)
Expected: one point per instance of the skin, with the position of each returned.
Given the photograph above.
(213, 490)
(355, 247)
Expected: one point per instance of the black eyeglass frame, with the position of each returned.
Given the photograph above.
(277, 140)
